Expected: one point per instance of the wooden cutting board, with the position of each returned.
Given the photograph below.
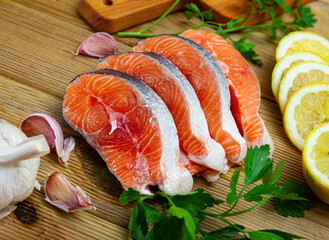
(37, 38)
(116, 15)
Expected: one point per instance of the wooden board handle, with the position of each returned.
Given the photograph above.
(115, 15)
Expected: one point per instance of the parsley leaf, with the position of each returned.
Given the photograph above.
(193, 7)
(189, 14)
(247, 49)
(186, 211)
(129, 196)
(194, 11)
(168, 228)
(290, 190)
(305, 16)
(232, 195)
(255, 194)
(196, 200)
(292, 200)
(257, 164)
(273, 177)
(284, 235)
(189, 223)
(149, 213)
(225, 232)
(133, 220)
(261, 235)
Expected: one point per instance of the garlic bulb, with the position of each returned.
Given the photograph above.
(19, 164)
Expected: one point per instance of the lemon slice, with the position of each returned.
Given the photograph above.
(287, 62)
(303, 41)
(300, 75)
(316, 161)
(307, 108)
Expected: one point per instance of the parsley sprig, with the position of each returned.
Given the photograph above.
(182, 214)
(277, 27)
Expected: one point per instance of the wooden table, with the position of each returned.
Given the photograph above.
(37, 38)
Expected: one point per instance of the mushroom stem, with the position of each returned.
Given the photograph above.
(32, 147)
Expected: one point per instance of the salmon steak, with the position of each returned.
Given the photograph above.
(177, 93)
(243, 84)
(209, 84)
(131, 128)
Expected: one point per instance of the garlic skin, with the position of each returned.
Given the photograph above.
(16, 178)
(41, 123)
(99, 44)
(60, 193)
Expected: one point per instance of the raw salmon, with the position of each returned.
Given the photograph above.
(243, 83)
(209, 83)
(130, 127)
(177, 93)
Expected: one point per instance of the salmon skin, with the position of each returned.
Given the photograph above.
(209, 83)
(130, 127)
(243, 83)
(177, 93)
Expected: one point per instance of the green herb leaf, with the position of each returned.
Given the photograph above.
(272, 177)
(277, 25)
(284, 235)
(188, 14)
(182, 213)
(291, 200)
(133, 219)
(193, 7)
(231, 24)
(247, 49)
(291, 190)
(225, 232)
(194, 11)
(151, 213)
(281, 3)
(129, 196)
(257, 164)
(262, 235)
(232, 195)
(307, 17)
(255, 194)
(168, 228)
(186, 211)
(222, 32)
(195, 201)
(207, 14)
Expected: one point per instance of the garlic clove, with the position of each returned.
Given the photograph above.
(41, 123)
(60, 193)
(6, 211)
(99, 44)
(32, 147)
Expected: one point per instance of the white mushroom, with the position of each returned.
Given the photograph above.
(19, 164)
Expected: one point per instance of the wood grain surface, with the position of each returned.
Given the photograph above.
(37, 38)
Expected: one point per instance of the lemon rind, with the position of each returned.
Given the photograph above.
(295, 99)
(317, 181)
(286, 61)
(287, 80)
(286, 42)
